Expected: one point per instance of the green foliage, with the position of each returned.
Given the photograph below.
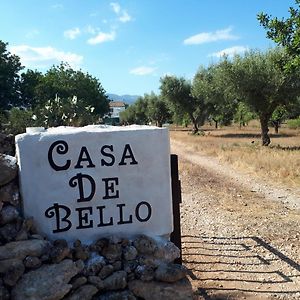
(178, 93)
(214, 87)
(279, 115)
(64, 82)
(181, 119)
(260, 82)
(294, 123)
(30, 80)
(3, 121)
(243, 114)
(65, 112)
(149, 108)
(10, 66)
(157, 110)
(286, 33)
(19, 119)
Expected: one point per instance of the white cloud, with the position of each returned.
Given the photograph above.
(45, 57)
(208, 37)
(125, 17)
(230, 51)
(122, 14)
(115, 7)
(102, 37)
(90, 29)
(72, 33)
(143, 70)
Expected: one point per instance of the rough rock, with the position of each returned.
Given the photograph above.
(9, 169)
(170, 272)
(106, 271)
(99, 245)
(59, 251)
(94, 264)
(32, 262)
(181, 290)
(47, 282)
(96, 281)
(117, 265)
(80, 251)
(77, 282)
(116, 281)
(9, 232)
(85, 292)
(10, 194)
(167, 252)
(144, 273)
(13, 274)
(4, 293)
(145, 244)
(7, 144)
(120, 295)
(130, 253)
(6, 264)
(130, 266)
(21, 249)
(112, 252)
(8, 214)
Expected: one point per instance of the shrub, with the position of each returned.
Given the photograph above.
(293, 123)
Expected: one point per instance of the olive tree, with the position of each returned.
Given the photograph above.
(178, 93)
(259, 80)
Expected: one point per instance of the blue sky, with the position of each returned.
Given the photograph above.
(129, 45)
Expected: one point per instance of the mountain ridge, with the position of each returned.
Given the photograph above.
(129, 99)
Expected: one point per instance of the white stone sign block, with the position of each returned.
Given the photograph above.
(89, 182)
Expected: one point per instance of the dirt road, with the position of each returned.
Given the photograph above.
(241, 236)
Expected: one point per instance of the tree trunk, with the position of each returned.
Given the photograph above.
(276, 126)
(195, 124)
(264, 119)
(216, 123)
(195, 128)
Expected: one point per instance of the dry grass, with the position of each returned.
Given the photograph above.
(241, 148)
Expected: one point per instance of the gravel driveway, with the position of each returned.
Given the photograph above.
(240, 236)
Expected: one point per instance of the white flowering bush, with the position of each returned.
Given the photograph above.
(65, 112)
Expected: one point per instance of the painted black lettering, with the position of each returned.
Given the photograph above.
(107, 154)
(112, 160)
(61, 148)
(110, 188)
(83, 217)
(121, 216)
(57, 211)
(148, 214)
(101, 217)
(127, 154)
(78, 180)
(84, 156)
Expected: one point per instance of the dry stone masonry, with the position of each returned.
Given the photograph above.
(112, 267)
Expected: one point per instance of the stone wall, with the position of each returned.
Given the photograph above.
(32, 267)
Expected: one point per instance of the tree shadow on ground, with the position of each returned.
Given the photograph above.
(253, 135)
(285, 148)
(226, 267)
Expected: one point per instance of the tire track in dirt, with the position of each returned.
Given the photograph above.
(287, 196)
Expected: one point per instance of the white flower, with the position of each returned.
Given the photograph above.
(74, 100)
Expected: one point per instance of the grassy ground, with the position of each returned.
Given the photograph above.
(280, 162)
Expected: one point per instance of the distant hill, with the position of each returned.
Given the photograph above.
(129, 99)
